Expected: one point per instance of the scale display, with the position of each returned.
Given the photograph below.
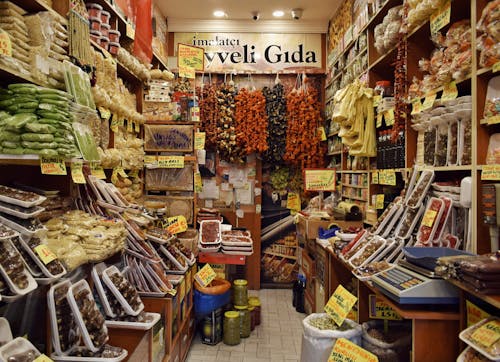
(407, 287)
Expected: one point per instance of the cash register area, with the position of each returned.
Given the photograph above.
(277, 339)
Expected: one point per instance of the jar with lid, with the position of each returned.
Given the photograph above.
(383, 88)
(255, 302)
(245, 323)
(231, 334)
(251, 310)
(240, 290)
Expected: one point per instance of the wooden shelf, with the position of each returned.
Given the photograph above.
(160, 60)
(446, 168)
(122, 22)
(493, 300)
(354, 198)
(34, 6)
(8, 76)
(220, 258)
(379, 15)
(28, 160)
(293, 257)
(355, 186)
(350, 171)
(483, 71)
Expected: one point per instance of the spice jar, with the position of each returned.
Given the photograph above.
(251, 310)
(240, 291)
(231, 332)
(245, 324)
(255, 302)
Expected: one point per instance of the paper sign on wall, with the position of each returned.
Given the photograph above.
(346, 351)
(205, 276)
(339, 305)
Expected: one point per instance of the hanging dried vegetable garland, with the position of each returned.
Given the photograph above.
(400, 87)
(277, 125)
(226, 132)
(303, 142)
(209, 114)
(251, 121)
(79, 33)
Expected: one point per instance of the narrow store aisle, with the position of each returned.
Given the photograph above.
(277, 339)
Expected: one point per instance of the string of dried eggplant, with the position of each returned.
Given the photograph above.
(209, 114)
(251, 121)
(303, 143)
(277, 125)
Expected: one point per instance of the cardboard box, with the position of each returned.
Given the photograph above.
(308, 227)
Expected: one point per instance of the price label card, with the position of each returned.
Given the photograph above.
(429, 101)
(382, 177)
(199, 140)
(390, 177)
(490, 173)
(496, 67)
(293, 201)
(346, 351)
(198, 184)
(429, 217)
(130, 31)
(450, 91)
(77, 172)
(379, 201)
(487, 334)
(115, 123)
(416, 106)
(42, 358)
(375, 180)
(130, 126)
(441, 17)
(186, 72)
(176, 224)
(137, 127)
(376, 100)
(45, 254)
(322, 133)
(205, 275)
(474, 313)
(379, 120)
(381, 310)
(340, 304)
(150, 160)
(5, 44)
(171, 161)
(53, 166)
(389, 117)
(104, 112)
(97, 170)
(120, 171)
(493, 120)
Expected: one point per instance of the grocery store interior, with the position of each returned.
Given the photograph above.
(307, 181)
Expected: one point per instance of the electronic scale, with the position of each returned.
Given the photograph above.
(416, 286)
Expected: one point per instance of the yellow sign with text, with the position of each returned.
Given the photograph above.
(293, 201)
(390, 177)
(198, 184)
(487, 334)
(450, 91)
(381, 310)
(375, 180)
(346, 351)
(379, 120)
(441, 17)
(171, 161)
(490, 173)
(389, 117)
(322, 133)
(416, 106)
(5, 44)
(429, 218)
(379, 201)
(42, 358)
(53, 166)
(77, 172)
(429, 101)
(46, 255)
(319, 179)
(190, 57)
(176, 224)
(205, 276)
(474, 313)
(97, 171)
(199, 140)
(340, 304)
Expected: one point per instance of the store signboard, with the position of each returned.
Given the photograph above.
(255, 52)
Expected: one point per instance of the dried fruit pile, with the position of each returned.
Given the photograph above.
(276, 113)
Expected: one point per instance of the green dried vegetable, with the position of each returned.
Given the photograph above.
(37, 137)
(58, 116)
(40, 128)
(19, 120)
(10, 136)
(13, 151)
(39, 145)
(10, 144)
(325, 322)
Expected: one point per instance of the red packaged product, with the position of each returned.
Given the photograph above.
(430, 220)
(443, 220)
(353, 242)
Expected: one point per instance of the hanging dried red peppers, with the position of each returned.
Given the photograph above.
(251, 121)
(209, 114)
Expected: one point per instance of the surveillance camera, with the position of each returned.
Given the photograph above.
(297, 13)
(255, 15)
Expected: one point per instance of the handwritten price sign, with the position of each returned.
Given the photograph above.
(487, 334)
(45, 254)
(340, 304)
(176, 224)
(381, 310)
(53, 166)
(171, 161)
(346, 351)
(205, 276)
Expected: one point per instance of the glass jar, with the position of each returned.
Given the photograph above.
(231, 328)
(255, 302)
(245, 323)
(240, 292)
(251, 310)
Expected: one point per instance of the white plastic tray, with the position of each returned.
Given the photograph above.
(96, 273)
(74, 289)
(174, 260)
(361, 240)
(422, 193)
(395, 218)
(388, 217)
(13, 232)
(16, 346)
(53, 315)
(153, 318)
(5, 331)
(372, 256)
(236, 248)
(21, 203)
(400, 243)
(411, 184)
(434, 226)
(89, 359)
(209, 250)
(40, 263)
(159, 240)
(200, 234)
(368, 277)
(20, 228)
(106, 277)
(242, 241)
(443, 218)
(231, 252)
(20, 214)
(153, 284)
(413, 223)
(475, 346)
(191, 261)
(32, 285)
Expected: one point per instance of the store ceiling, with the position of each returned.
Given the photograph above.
(196, 15)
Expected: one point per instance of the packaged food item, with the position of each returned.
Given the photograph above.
(443, 220)
(441, 151)
(465, 151)
(409, 221)
(430, 221)
(63, 326)
(123, 291)
(423, 184)
(471, 336)
(492, 102)
(13, 271)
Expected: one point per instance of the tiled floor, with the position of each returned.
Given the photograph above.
(277, 339)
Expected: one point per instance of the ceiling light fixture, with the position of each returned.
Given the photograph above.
(219, 13)
(278, 13)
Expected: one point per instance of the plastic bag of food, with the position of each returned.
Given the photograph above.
(493, 155)
(392, 346)
(492, 103)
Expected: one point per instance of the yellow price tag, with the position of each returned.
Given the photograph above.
(416, 106)
(42, 358)
(77, 172)
(429, 101)
(53, 166)
(199, 140)
(487, 334)
(389, 117)
(133, 173)
(346, 351)
(121, 172)
(496, 67)
(5, 44)
(198, 184)
(137, 127)
(293, 201)
(490, 173)
(379, 201)
(376, 100)
(339, 304)
(171, 161)
(375, 177)
(150, 160)
(104, 112)
(97, 170)
(130, 31)
(474, 313)
(381, 310)
(186, 72)
(176, 224)
(382, 177)
(205, 275)
(379, 120)
(440, 18)
(390, 177)
(429, 218)
(450, 91)
(130, 126)
(322, 133)
(46, 255)
(115, 123)
(493, 120)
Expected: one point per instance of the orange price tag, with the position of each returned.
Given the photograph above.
(176, 224)
(46, 255)
(474, 313)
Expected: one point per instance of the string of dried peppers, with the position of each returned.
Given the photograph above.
(209, 114)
